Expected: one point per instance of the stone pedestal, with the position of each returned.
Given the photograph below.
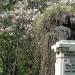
(65, 57)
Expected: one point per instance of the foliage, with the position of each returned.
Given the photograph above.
(44, 26)
(25, 43)
(17, 44)
(7, 4)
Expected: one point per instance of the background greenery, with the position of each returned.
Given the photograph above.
(26, 35)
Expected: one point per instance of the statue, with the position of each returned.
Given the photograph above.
(64, 31)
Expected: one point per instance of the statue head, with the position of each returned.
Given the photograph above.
(66, 21)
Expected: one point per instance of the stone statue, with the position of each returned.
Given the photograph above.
(64, 31)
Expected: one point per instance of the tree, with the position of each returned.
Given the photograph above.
(16, 47)
(45, 37)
